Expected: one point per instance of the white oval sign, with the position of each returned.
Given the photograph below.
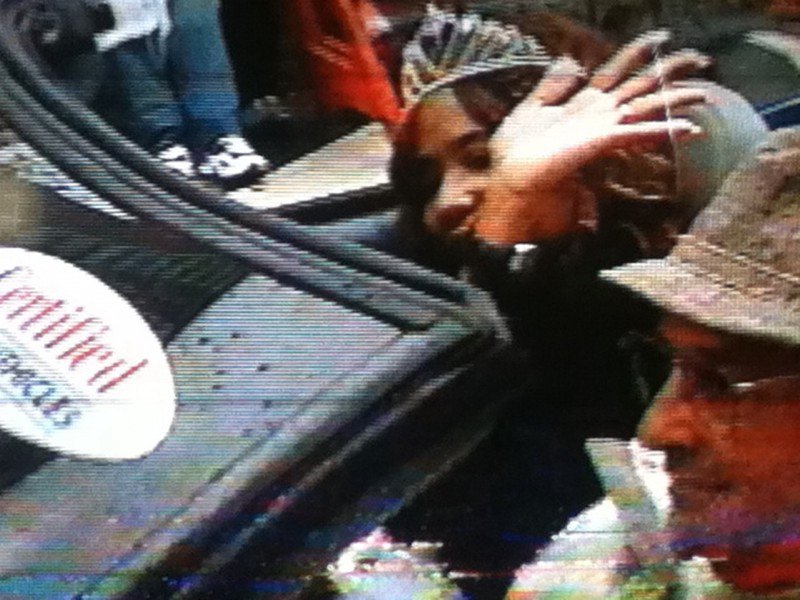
(81, 372)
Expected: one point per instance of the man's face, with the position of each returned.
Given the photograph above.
(729, 422)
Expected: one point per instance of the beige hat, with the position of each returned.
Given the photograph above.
(738, 268)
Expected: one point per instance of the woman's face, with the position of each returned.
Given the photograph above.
(455, 151)
(452, 169)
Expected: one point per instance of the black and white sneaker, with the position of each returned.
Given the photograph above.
(177, 158)
(231, 162)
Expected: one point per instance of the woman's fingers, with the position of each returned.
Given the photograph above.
(548, 161)
(562, 77)
(661, 72)
(647, 132)
(541, 109)
(634, 173)
(659, 102)
(629, 59)
(658, 164)
(586, 212)
(636, 162)
(619, 190)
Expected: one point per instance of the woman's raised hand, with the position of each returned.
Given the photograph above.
(535, 191)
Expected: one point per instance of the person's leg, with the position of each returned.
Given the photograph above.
(201, 71)
(202, 77)
(139, 101)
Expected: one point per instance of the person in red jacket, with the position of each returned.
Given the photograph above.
(335, 38)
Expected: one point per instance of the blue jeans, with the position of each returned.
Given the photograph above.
(184, 92)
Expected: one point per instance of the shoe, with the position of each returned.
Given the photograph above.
(231, 162)
(177, 158)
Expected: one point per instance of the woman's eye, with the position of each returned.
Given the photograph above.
(476, 158)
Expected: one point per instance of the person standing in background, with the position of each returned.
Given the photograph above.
(170, 88)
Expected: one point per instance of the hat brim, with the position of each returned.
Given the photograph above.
(677, 288)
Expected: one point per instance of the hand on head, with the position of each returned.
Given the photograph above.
(534, 190)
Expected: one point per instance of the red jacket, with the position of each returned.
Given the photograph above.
(344, 67)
